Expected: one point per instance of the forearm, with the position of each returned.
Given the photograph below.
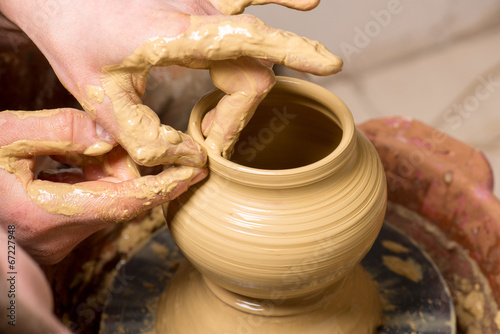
(28, 15)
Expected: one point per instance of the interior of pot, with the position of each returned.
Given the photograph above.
(284, 134)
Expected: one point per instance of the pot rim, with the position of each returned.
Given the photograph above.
(313, 172)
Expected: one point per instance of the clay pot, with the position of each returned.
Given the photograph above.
(299, 205)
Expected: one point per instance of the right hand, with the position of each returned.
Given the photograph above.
(53, 214)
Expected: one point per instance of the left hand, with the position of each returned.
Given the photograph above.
(102, 52)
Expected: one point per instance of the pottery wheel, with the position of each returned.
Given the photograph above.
(412, 305)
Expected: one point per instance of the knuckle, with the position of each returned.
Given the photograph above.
(62, 124)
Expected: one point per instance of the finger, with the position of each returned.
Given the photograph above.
(112, 202)
(219, 37)
(66, 214)
(231, 7)
(138, 128)
(246, 82)
(26, 134)
(117, 164)
(51, 132)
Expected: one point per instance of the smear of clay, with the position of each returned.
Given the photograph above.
(12, 153)
(95, 93)
(98, 148)
(409, 268)
(22, 114)
(394, 246)
(71, 199)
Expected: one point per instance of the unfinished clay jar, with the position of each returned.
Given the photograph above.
(293, 213)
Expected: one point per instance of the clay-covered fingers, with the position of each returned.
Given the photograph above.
(246, 82)
(138, 128)
(54, 131)
(27, 134)
(206, 40)
(66, 214)
(52, 217)
(219, 37)
(232, 7)
(102, 201)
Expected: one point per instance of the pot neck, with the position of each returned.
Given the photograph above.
(308, 94)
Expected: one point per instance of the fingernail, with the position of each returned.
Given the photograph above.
(103, 134)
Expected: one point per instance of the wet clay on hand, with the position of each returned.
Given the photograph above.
(49, 135)
(223, 45)
(231, 7)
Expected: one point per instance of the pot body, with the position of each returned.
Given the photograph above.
(300, 207)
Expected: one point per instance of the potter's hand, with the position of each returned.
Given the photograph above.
(53, 215)
(103, 50)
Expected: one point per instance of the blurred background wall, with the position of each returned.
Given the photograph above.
(370, 33)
